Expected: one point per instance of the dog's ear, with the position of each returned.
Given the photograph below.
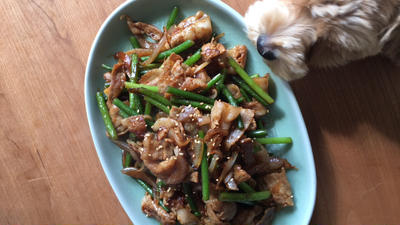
(390, 41)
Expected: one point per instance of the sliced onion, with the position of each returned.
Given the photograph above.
(140, 52)
(230, 182)
(139, 174)
(157, 49)
(219, 36)
(213, 164)
(227, 167)
(126, 147)
(198, 148)
(201, 66)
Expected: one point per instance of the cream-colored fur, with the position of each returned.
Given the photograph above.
(324, 33)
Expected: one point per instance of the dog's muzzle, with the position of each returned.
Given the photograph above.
(264, 49)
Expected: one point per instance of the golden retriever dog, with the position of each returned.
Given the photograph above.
(292, 35)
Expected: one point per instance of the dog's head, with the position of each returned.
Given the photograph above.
(284, 33)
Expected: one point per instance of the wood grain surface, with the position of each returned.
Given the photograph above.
(49, 170)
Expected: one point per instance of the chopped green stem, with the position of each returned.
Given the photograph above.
(106, 116)
(244, 94)
(161, 184)
(134, 68)
(212, 82)
(189, 95)
(246, 188)
(178, 49)
(240, 197)
(157, 104)
(249, 91)
(149, 190)
(228, 95)
(161, 203)
(200, 105)
(130, 85)
(135, 103)
(189, 198)
(124, 107)
(240, 100)
(123, 114)
(194, 58)
(147, 109)
(132, 101)
(155, 96)
(150, 66)
(205, 182)
(146, 187)
(250, 81)
(134, 42)
(172, 17)
(260, 123)
(128, 159)
(257, 133)
(255, 75)
(107, 67)
(274, 140)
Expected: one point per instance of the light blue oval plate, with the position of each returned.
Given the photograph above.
(284, 120)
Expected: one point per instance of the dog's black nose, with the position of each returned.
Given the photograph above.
(264, 49)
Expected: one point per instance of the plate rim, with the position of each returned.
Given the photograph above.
(291, 98)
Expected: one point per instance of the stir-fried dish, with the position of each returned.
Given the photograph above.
(189, 121)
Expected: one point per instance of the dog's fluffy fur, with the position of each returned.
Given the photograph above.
(324, 33)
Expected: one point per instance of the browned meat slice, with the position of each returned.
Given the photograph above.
(164, 159)
(196, 28)
(214, 138)
(118, 79)
(247, 216)
(239, 174)
(278, 184)
(222, 115)
(194, 177)
(151, 209)
(246, 146)
(117, 120)
(267, 217)
(247, 116)
(262, 82)
(139, 28)
(170, 73)
(234, 89)
(190, 117)
(185, 114)
(263, 163)
(185, 217)
(239, 54)
(259, 110)
(192, 84)
(174, 129)
(195, 79)
(211, 50)
(136, 125)
(219, 212)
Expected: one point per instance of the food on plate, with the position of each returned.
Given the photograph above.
(189, 121)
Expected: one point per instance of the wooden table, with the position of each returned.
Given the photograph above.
(49, 170)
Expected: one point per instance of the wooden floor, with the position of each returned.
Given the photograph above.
(49, 170)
